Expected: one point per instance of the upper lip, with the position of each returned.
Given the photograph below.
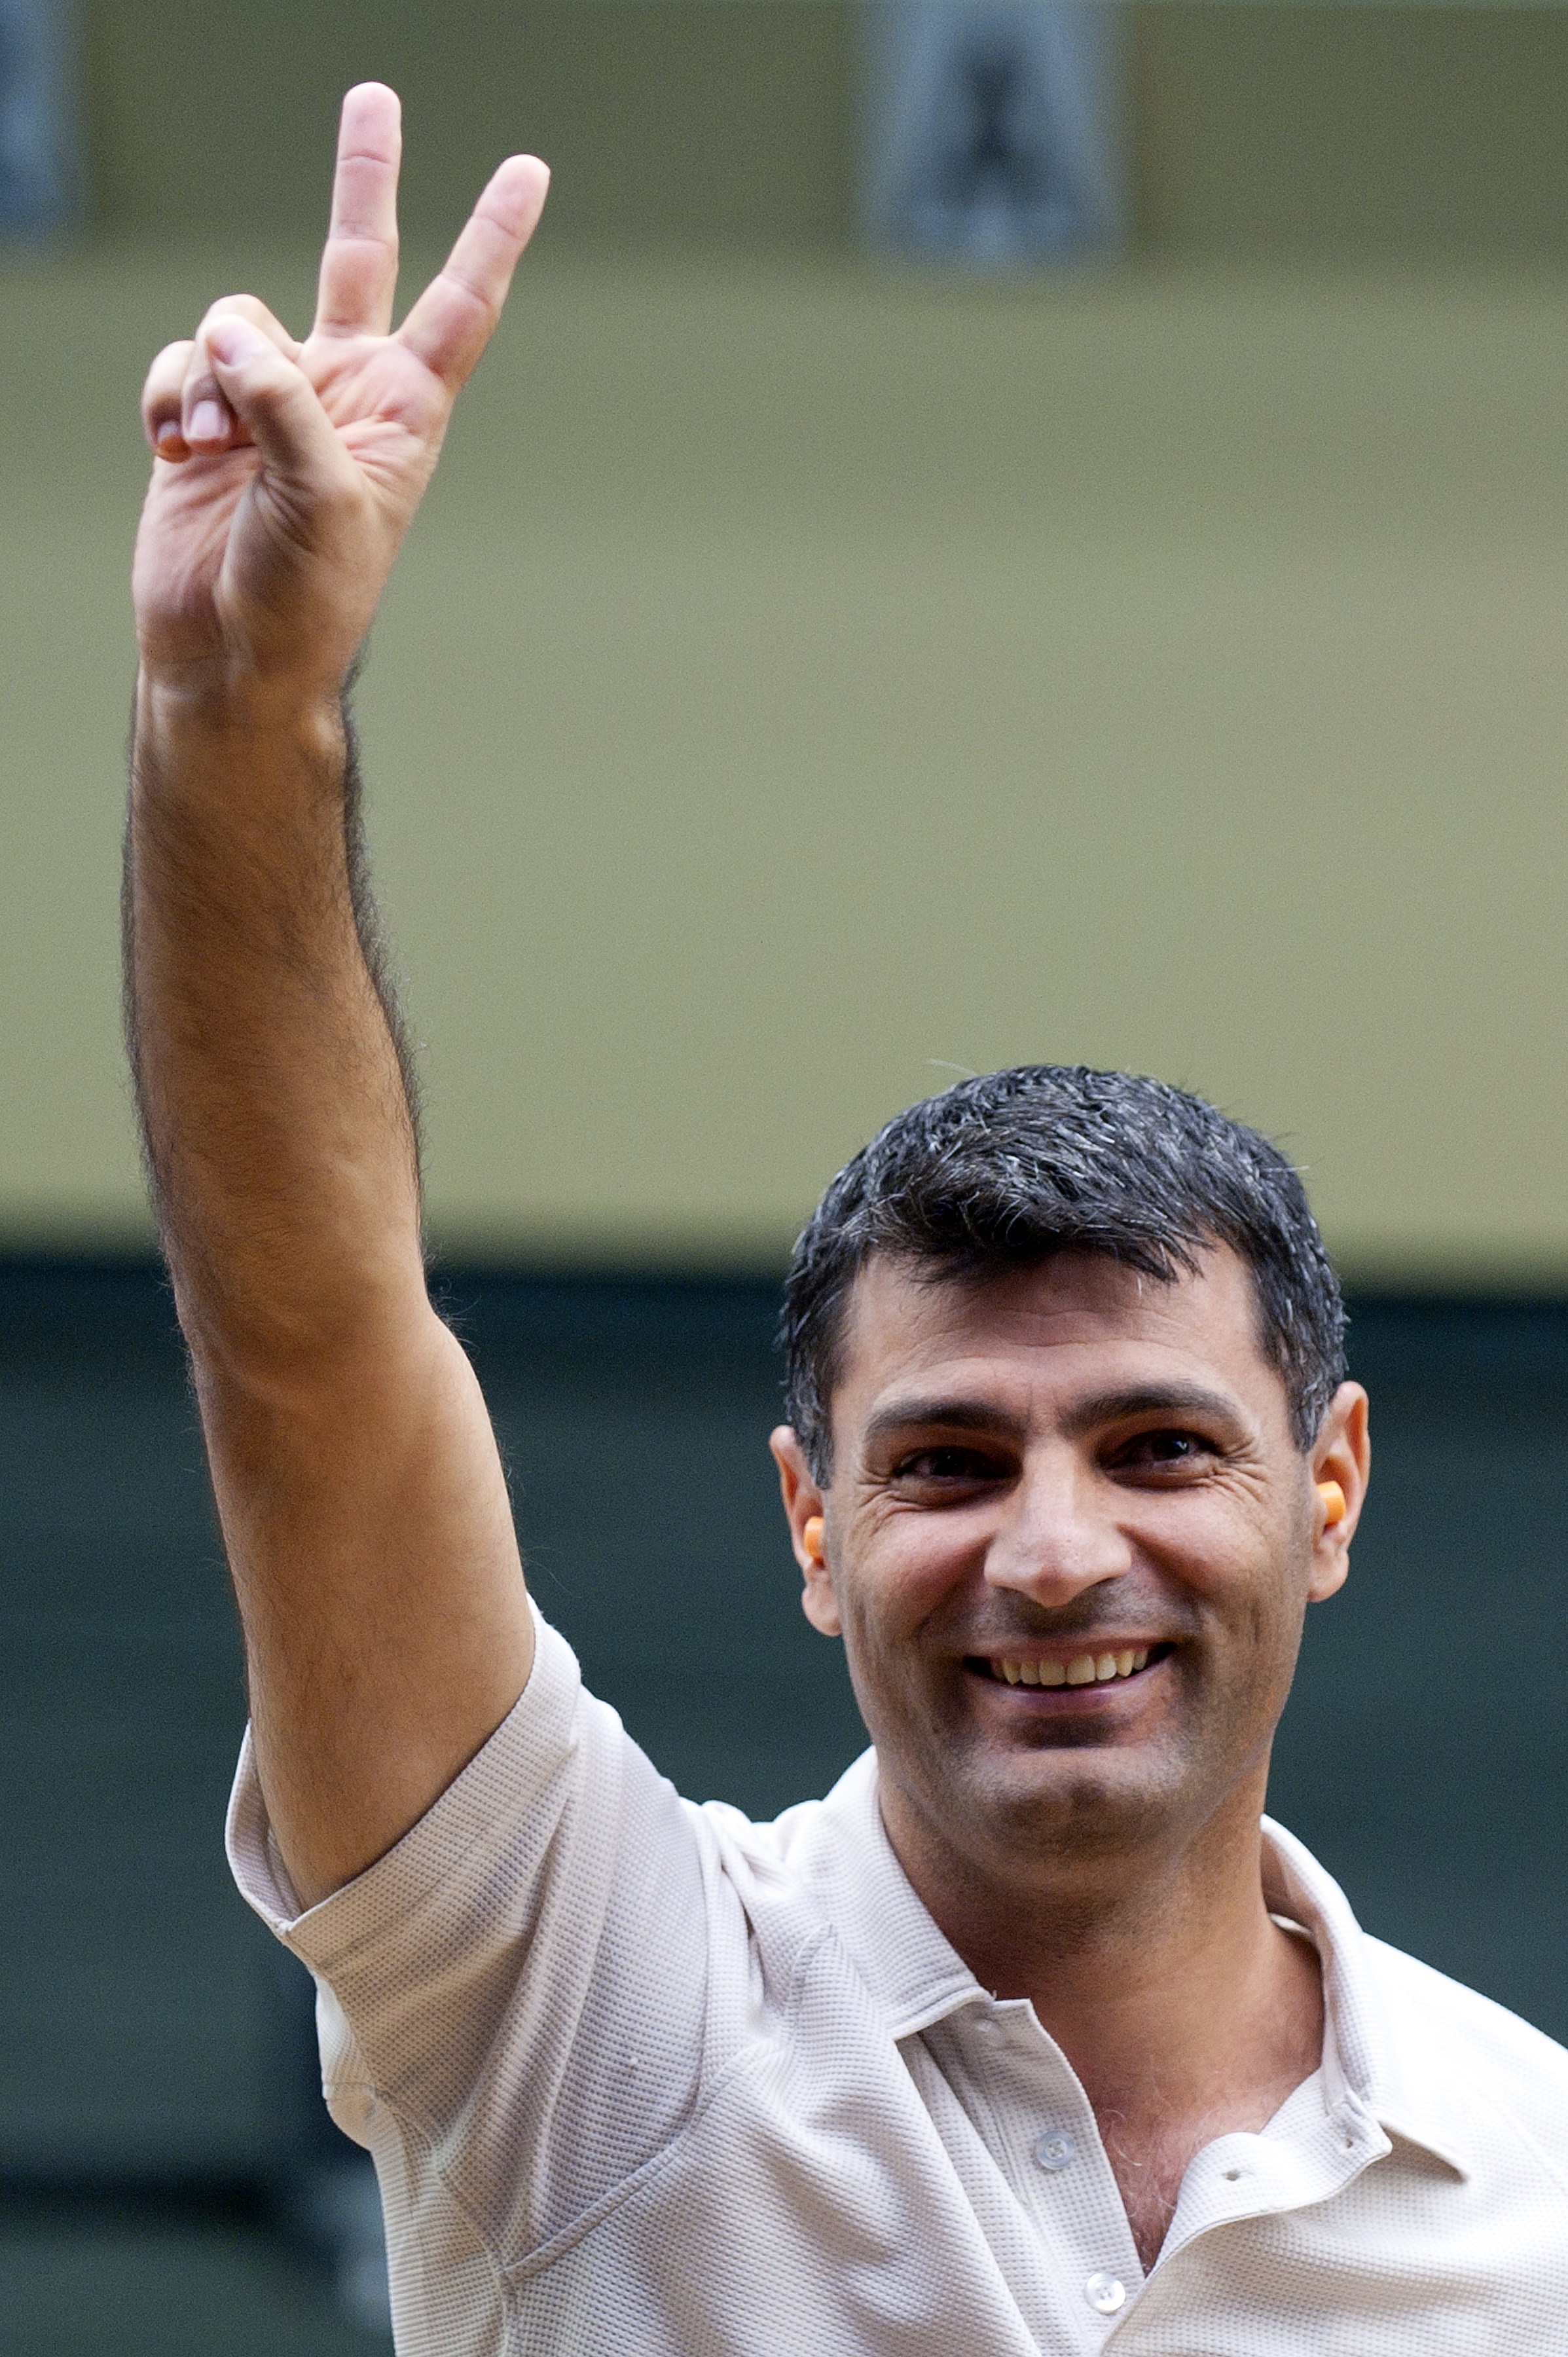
(1063, 1648)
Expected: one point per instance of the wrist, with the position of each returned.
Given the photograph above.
(194, 701)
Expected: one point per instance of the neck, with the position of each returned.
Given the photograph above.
(1185, 2010)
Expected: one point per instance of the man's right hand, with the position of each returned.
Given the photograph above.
(286, 474)
(363, 1505)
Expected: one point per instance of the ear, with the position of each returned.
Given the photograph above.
(1341, 1454)
(804, 1503)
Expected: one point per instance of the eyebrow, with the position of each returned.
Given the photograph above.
(951, 1414)
(968, 1414)
(1151, 1399)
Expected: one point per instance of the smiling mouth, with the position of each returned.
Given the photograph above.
(1097, 1669)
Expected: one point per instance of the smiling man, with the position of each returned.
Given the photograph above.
(1070, 1457)
(1034, 2035)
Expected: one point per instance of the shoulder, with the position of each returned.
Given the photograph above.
(808, 1867)
(1482, 2056)
(779, 1853)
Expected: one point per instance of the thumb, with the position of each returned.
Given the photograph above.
(276, 403)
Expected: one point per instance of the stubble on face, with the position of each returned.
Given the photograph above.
(1063, 1464)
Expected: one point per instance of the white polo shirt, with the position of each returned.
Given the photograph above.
(643, 2078)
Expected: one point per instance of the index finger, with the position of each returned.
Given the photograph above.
(359, 262)
(453, 320)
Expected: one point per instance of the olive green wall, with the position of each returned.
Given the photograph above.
(662, 118)
(1257, 129)
(808, 678)
(1351, 131)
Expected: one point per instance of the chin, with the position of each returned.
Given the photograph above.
(1074, 1800)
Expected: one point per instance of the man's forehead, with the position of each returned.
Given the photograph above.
(1056, 1315)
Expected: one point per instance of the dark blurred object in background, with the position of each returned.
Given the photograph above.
(40, 173)
(993, 134)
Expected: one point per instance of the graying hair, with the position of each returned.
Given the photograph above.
(1007, 1170)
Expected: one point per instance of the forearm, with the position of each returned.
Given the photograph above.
(274, 1103)
(363, 1511)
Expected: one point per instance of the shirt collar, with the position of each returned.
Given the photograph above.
(1378, 2065)
(1376, 2069)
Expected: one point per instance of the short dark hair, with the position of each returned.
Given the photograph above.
(1004, 1170)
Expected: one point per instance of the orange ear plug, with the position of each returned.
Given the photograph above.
(1333, 1498)
(811, 1537)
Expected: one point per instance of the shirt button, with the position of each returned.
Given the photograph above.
(1055, 2149)
(1104, 2293)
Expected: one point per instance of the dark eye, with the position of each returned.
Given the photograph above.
(946, 1465)
(1163, 1451)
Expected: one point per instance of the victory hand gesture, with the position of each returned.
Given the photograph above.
(286, 474)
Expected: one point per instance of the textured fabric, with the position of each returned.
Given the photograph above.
(645, 2079)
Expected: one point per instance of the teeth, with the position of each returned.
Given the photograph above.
(1083, 1670)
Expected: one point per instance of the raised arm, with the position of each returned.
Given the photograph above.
(362, 1503)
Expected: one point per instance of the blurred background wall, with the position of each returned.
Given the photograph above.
(811, 675)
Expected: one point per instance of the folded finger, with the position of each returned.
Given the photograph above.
(207, 420)
(279, 409)
(359, 262)
(453, 320)
(162, 401)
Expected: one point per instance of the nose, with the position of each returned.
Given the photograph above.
(1058, 1537)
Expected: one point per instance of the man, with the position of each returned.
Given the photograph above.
(1031, 2036)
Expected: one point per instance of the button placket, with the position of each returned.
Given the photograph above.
(1069, 2186)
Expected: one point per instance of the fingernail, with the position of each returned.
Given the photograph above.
(170, 436)
(231, 339)
(208, 423)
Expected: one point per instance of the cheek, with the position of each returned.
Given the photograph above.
(883, 1603)
(1229, 1552)
(909, 1568)
(1250, 1586)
